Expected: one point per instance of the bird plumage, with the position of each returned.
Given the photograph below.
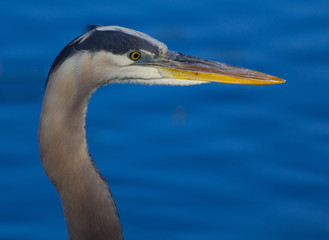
(104, 55)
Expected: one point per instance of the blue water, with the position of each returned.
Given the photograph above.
(213, 161)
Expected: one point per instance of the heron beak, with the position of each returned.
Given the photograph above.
(179, 66)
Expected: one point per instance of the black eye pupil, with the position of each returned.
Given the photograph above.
(135, 55)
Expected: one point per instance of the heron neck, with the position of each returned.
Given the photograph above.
(89, 209)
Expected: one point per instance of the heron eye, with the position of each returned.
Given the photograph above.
(135, 56)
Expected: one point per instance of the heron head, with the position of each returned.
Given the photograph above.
(112, 54)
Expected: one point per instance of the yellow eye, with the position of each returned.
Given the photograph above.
(135, 56)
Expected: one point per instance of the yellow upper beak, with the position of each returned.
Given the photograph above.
(180, 66)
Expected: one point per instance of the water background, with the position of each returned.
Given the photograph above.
(209, 162)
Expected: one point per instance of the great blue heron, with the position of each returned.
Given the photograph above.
(105, 55)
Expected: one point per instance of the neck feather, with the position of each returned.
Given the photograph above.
(88, 206)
